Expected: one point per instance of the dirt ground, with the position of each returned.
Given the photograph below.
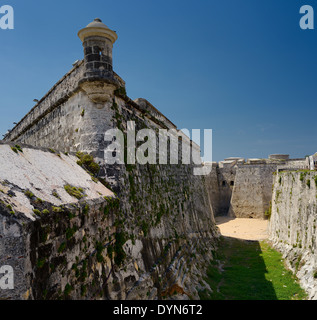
(247, 229)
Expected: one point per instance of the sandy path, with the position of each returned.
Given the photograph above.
(247, 229)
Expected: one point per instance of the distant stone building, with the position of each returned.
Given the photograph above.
(313, 162)
(243, 189)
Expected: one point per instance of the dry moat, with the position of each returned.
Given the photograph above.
(247, 267)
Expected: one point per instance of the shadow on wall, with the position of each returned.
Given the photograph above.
(224, 219)
(238, 273)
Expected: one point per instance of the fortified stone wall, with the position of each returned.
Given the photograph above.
(44, 230)
(295, 164)
(226, 180)
(163, 233)
(155, 239)
(57, 95)
(292, 227)
(252, 191)
(244, 190)
(220, 183)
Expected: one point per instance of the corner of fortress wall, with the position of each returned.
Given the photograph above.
(220, 184)
(160, 234)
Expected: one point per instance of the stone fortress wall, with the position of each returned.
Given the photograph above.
(144, 232)
(243, 188)
(153, 240)
(292, 226)
(47, 236)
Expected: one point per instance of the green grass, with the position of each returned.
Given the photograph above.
(251, 270)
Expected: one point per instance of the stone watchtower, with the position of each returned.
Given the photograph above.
(99, 81)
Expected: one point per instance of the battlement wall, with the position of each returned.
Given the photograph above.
(163, 218)
(58, 94)
(62, 105)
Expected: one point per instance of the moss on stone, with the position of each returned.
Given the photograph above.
(37, 212)
(120, 254)
(99, 249)
(57, 209)
(74, 192)
(16, 149)
(120, 92)
(29, 194)
(40, 263)
(68, 289)
(86, 209)
(308, 183)
(56, 195)
(87, 162)
(62, 247)
(70, 232)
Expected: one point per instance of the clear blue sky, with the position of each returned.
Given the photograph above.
(243, 68)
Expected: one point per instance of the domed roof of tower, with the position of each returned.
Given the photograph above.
(97, 28)
(97, 23)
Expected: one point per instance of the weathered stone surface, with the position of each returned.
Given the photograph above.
(42, 173)
(292, 226)
(43, 227)
(220, 183)
(252, 191)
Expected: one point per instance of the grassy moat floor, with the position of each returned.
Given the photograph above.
(250, 270)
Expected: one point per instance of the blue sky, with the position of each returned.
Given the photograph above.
(243, 68)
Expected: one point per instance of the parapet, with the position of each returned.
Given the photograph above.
(256, 161)
(149, 108)
(279, 156)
